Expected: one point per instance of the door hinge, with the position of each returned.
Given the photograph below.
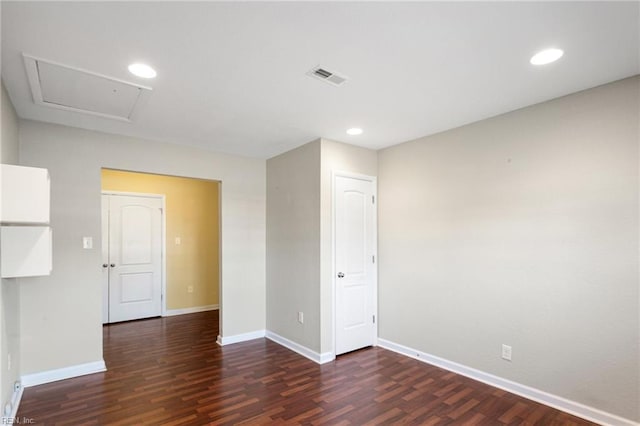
(373, 199)
(373, 259)
(374, 319)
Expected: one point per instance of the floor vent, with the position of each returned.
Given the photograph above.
(68, 88)
(330, 77)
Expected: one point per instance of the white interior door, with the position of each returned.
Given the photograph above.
(354, 263)
(135, 257)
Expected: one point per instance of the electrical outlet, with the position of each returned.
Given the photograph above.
(190, 289)
(178, 241)
(301, 317)
(506, 352)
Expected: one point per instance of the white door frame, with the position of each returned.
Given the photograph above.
(163, 267)
(374, 180)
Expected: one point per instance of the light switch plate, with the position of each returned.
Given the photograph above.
(87, 243)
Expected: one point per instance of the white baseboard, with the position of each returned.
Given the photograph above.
(237, 338)
(326, 357)
(172, 312)
(43, 377)
(16, 397)
(558, 402)
(320, 358)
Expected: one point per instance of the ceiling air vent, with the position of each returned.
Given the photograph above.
(68, 88)
(330, 77)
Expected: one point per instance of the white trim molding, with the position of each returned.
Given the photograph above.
(238, 338)
(172, 312)
(320, 358)
(43, 377)
(16, 397)
(558, 402)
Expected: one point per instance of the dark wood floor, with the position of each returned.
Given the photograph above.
(170, 371)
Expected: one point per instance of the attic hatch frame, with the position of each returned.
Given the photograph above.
(33, 75)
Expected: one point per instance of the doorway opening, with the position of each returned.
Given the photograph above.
(189, 213)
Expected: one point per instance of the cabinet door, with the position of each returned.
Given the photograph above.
(26, 251)
(25, 195)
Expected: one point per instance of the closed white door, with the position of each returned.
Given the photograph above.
(134, 260)
(354, 263)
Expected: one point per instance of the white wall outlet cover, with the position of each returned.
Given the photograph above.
(506, 352)
(178, 241)
(87, 243)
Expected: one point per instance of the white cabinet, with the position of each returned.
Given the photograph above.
(25, 195)
(25, 246)
(26, 251)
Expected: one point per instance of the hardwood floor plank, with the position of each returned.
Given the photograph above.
(458, 396)
(170, 371)
(463, 409)
(326, 418)
(384, 417)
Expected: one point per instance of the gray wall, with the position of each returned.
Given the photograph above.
(293, 244)
(10, 292)
(61, 323)
(522, 229)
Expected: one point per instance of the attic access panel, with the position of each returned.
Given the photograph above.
(64, 87)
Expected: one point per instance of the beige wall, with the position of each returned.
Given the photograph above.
(10, 292)
(9, 147)
(300, 239)
(523, 230)
(191, 214)
(63, 310)
(293, 245)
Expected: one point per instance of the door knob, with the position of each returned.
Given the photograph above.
(113, 265)
(340, 275)
(104, 265)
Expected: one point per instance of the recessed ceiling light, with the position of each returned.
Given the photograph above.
(142, 70)
(354, 131)
(546, 56)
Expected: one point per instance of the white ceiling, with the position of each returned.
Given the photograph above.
(231, 75)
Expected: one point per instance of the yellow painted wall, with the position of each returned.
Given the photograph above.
(192, 214)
